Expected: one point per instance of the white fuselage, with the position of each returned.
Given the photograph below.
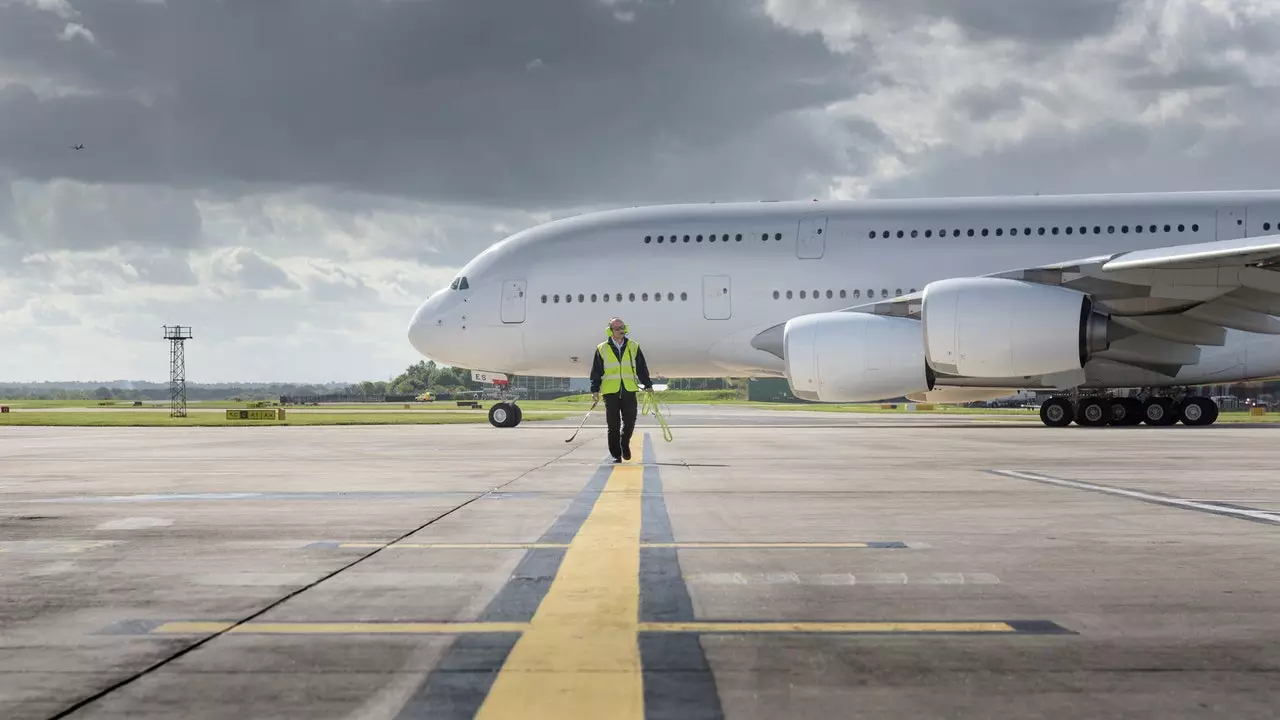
(696, 283)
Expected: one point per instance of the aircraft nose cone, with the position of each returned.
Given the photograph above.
(426, 328)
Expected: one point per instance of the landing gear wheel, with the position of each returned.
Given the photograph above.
(1056, 412)
(1159, 411)
(1198, 411)
(505, 415)
(1093, 412)
(1125, 411)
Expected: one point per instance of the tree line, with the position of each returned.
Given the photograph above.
(423, 376)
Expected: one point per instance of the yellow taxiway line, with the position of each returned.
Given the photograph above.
(580, 657)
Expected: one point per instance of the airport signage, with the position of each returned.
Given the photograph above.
(261, 414)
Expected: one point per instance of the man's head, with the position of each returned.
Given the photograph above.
(617, 328)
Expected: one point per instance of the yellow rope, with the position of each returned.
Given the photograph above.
(649, 406)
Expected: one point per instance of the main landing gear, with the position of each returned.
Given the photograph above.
(1100, 410)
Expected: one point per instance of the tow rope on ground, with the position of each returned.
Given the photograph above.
(649, 406)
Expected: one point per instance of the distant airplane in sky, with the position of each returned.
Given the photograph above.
(937, 300)
(78, 147)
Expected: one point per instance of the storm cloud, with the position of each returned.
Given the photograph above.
(501, 104)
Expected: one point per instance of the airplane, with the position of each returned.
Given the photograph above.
(78, 147)
(942, 300)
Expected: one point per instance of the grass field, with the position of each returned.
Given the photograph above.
(214, 417)
(210, 413)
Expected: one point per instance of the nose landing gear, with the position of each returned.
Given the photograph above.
(505, 414)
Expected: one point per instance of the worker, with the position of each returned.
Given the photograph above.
(618, 372)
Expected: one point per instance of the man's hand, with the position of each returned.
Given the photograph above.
(595, 397)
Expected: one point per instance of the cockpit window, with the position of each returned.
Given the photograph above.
(459, 284)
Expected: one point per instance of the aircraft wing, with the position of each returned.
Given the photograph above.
(1171, 299)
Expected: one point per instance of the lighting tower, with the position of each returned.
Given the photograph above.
(175, 334)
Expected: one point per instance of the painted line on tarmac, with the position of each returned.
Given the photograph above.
(866, 627)
(837, 579)
(1251, 514)
(460, 682)
(580, 657)
(651, 629)
(706, 545)
(177, 497)
(53, 547)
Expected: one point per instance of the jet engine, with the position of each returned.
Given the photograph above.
(994, 327)
(854, 357)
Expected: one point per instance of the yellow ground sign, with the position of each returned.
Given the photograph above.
(264, 414)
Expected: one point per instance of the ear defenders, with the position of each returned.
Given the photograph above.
(608, 331)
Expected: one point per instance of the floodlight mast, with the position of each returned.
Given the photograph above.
(176, 334)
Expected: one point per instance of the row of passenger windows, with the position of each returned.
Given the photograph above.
(971, 232)
(631, 297)
(816, 294)
(1082, 230)
(764, 237)
(671, 297)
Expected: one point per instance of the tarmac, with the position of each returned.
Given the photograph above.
(761, 564)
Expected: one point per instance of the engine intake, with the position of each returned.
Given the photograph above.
(995, 327)
(854, 357)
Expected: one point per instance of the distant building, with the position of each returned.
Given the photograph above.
(545, 388)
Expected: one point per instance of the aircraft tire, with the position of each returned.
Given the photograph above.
(1056, 412)
(1093, 412)
(1125, 411)
(1198, 411)
(504, 415)
(1159, 412)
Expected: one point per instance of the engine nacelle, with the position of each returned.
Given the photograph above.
(854, 357)
(994, 327)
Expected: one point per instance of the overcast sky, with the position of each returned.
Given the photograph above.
(292, 177)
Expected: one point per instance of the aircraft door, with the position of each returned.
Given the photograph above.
(811, 240)
(1231, 223)
(716, 302)
(513, 301)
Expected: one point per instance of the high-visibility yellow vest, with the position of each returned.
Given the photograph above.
(618, 373)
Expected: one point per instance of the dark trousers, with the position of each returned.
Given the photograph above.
(620, 414)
